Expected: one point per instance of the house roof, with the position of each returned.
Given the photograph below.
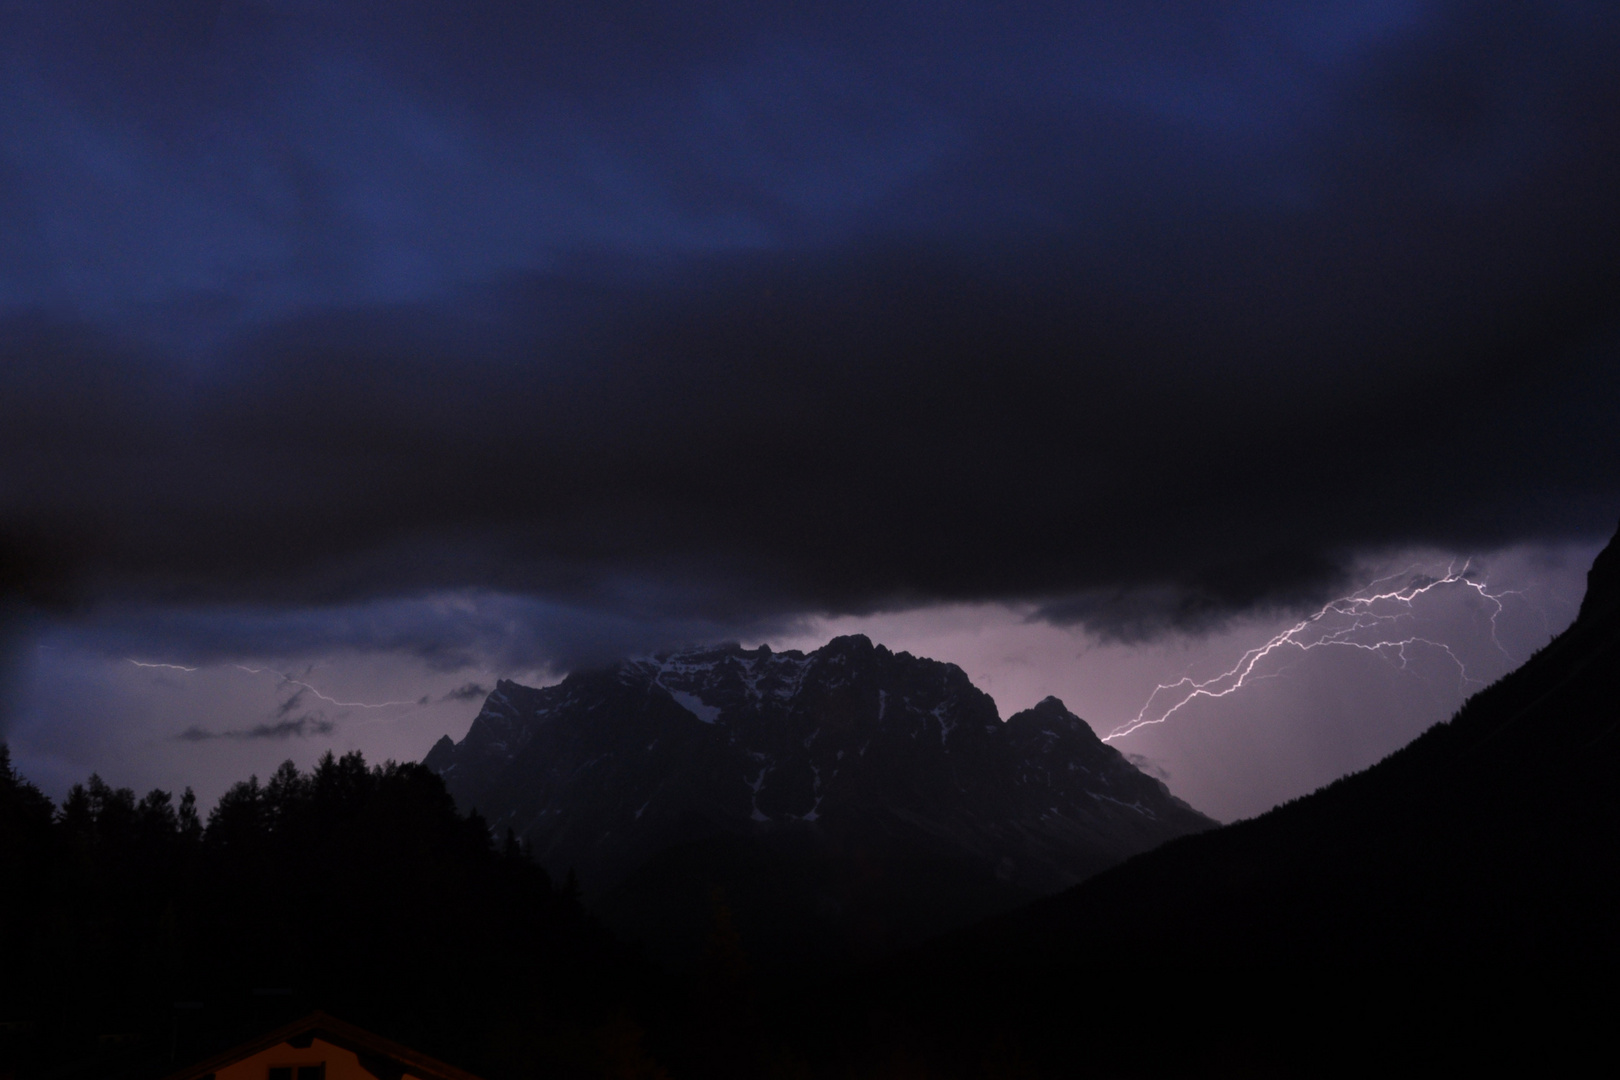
(384, 1058)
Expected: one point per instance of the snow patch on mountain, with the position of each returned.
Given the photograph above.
(696, 706)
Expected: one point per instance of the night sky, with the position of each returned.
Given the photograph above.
(391, 348)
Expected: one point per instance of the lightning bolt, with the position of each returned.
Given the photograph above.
(285, 679)
(1339, 623)
(171, 667)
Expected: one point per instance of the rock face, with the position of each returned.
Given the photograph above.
(848, 783)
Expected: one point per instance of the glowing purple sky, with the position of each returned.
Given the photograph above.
(1300, 721)
(412, 345)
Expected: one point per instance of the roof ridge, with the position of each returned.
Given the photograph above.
(339, 1033)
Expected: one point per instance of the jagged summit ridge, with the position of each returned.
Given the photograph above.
(852, 745)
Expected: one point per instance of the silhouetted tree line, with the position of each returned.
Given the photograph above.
(136, 936)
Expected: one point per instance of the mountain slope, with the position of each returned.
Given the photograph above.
(1451, 905)
(847, 785)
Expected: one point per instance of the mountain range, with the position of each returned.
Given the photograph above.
(1450, 910)
(841, 801)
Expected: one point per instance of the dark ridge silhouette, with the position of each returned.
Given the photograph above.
(1450, 908)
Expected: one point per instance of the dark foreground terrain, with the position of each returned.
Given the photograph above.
(136, 938)
(1451, 909)
(1448, 911)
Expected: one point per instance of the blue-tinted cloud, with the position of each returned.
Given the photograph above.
(445, 632)
(309, 307)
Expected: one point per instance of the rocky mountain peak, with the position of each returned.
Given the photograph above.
(1051, 718)
(1050, 710)
(850, 748)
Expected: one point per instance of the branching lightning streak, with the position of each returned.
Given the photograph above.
(329, 700)
(285, 679)
(1364, 612)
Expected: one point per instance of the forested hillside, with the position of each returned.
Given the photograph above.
(138, 936)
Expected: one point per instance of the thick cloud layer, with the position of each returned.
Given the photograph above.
(709, 317)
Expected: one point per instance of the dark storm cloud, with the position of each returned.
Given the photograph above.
(470, 691)
(446, 632)
(293, 702)
(306, 726)
(1148, 765)
(693, 320)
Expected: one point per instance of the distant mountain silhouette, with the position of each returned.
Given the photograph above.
(1452, 908)
(842, 801)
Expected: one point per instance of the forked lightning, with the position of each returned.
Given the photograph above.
(1340, 622)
